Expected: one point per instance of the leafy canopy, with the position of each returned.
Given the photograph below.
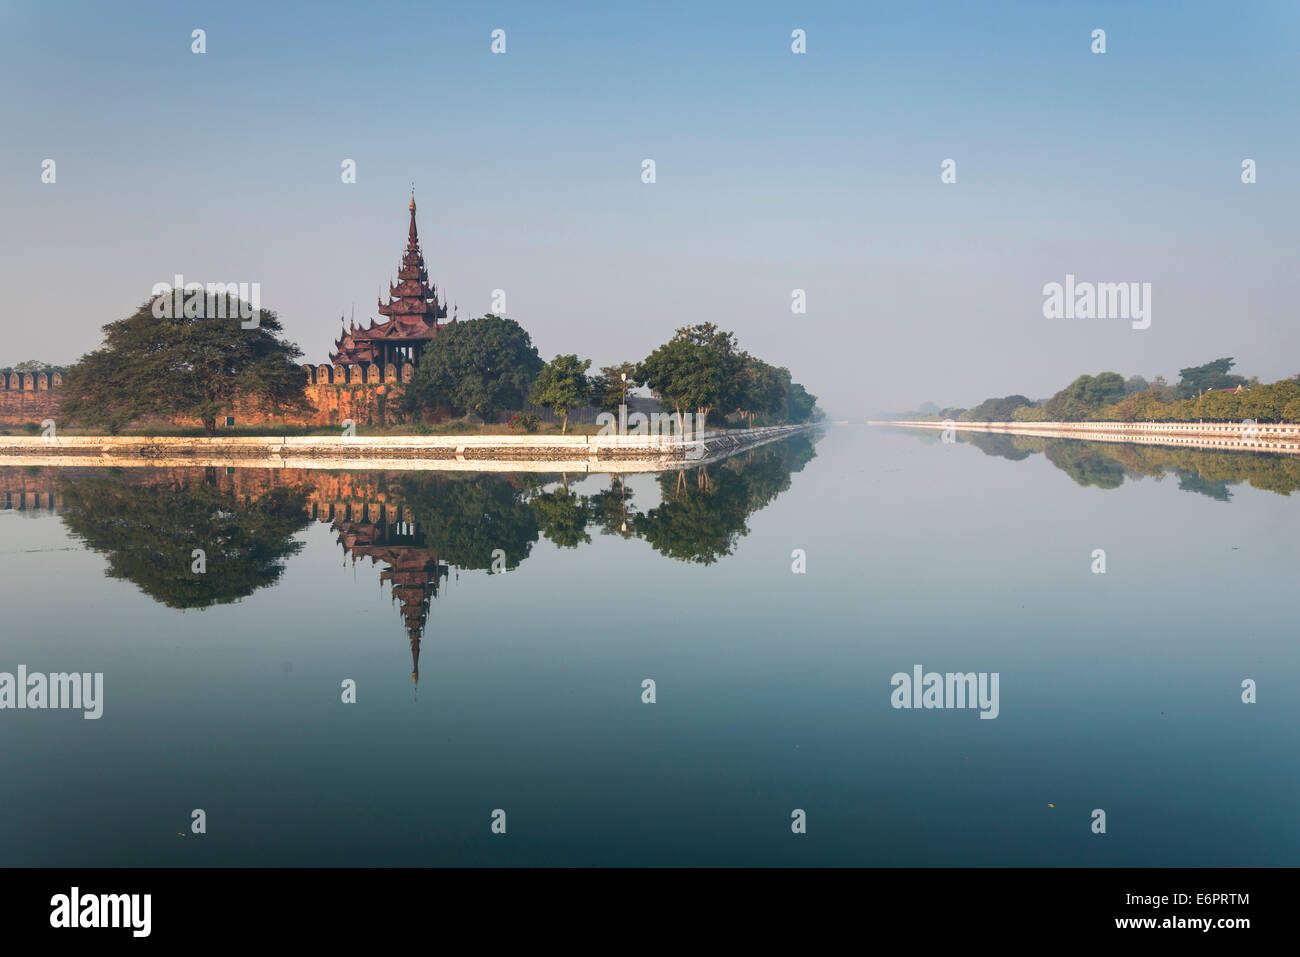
(698, 369)
(562, 385)
(184, 366)
(479, 365)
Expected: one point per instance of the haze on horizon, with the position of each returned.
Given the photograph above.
(775, 172)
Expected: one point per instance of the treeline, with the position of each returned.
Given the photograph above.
(152, 365)
(32, 365)
(489, 365)
(1209, 392)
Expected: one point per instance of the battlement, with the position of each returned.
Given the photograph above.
(323, 374)
(337, 392)
(30, 381)
(326, 374)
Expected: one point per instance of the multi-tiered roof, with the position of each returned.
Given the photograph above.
(411, 315)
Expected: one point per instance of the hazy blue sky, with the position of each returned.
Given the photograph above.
(776, 171)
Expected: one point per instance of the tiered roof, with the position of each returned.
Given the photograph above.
(412, 313)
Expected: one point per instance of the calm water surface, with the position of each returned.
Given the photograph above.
(1119, 691)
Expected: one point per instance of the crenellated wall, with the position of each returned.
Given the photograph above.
(29, 397)
(365, 394)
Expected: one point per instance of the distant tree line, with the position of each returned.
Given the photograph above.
(1209, 392)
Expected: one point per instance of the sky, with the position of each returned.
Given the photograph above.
(775, 171)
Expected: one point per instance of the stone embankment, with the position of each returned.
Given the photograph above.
(1282, 437)
(475, 453)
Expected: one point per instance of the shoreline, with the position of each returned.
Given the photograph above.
(483, 453)
(1282, 437)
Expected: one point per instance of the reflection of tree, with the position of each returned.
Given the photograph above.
(1207, 472)
(149, 531)
(562, 517)
(466, 518)
(703, 514)
(609, 508)
(700, 518)
(1190, 482)
(1088, 463)
(996, 443)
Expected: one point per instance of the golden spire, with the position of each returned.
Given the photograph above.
(412, 197)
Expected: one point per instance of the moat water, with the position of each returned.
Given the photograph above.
(771, 598)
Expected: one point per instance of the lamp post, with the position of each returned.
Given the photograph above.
(622, 409)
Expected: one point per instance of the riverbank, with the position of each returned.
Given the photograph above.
(477, 453)
(1282, 437)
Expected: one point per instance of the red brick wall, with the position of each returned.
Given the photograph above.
(366, 395)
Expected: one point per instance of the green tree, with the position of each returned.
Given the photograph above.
(1195, 380)
(184, 366)
(997, 410)
(1268, 403)
(1219, 405)
(1029, 413)
(479, 365)
(562, 386)
(762, 389)
(800, 405)
(607, 387)
(697, 370)
(1085, 396)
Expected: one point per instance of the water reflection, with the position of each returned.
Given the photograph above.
(416, 527)
(1108, 464)
(703, 511)
(185, 541)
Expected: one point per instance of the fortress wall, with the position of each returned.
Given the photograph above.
(29, 397)
(365, 394)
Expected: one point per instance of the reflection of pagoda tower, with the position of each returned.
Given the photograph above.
(413, 572)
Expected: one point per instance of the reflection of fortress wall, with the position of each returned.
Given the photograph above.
(24, 489)
(331, 496)
(364, 394)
